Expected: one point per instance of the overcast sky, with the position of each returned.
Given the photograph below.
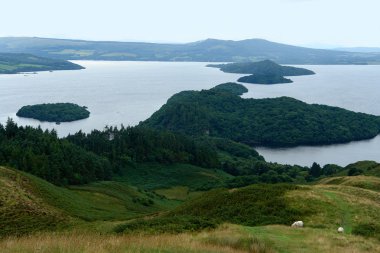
(301, 22)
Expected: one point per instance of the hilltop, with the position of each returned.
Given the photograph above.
(210, 50)
(275, 122)
(13, 63)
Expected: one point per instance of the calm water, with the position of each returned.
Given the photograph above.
(128, 92)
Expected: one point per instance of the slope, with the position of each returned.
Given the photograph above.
(30, 204)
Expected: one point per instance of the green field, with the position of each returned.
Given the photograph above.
(171, 215)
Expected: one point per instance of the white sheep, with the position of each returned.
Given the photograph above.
(340, 230)
(297, 224)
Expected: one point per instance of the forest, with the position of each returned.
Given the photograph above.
(103, 155)
(273, 122)
(264, 79)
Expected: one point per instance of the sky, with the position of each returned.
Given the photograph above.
(315, 23)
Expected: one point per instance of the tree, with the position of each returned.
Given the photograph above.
(315, 170)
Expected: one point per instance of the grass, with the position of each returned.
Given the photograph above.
(227, 239)
(79, 53)
(284, 239)
(30, 204)
(365, 182)
(158, 176)
(83, 218)
(319, 206)
(21, 210)
(176, 192)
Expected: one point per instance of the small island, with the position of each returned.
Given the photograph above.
(58, 112)
(233, 88)
(263, 72)
(264, 79)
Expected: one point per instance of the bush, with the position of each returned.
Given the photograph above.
(367, 230)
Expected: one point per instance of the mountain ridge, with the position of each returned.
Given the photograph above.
(209, 50)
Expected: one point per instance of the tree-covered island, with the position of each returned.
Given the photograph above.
(58, 112)
(263, 72)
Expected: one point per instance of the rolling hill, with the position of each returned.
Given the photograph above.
(13, 63)
(30, 204)
(210, 50)
(256, 218)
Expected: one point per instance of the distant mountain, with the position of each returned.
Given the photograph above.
(210, 50)
(12, 63)
(360, 49)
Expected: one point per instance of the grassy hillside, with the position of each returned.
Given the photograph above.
(365, 182)
(31, 204)
(322, 207)
(210, 50)
(22, 209)
(11, 63)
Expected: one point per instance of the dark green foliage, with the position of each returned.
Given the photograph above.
(16, 63)
(252, 206)
(331, 169)
(58, 112)
(264, 79)
(353, 171)
(41, 153)
(274, 122)
(210, 50)
(125, 146)
(266, 68)
(367, 230)
(315, 170)
(233, 88)
(143, 157)
(175, 224)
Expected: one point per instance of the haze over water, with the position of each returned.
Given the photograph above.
(129, 92)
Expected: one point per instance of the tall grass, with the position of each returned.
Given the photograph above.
(223, 241)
